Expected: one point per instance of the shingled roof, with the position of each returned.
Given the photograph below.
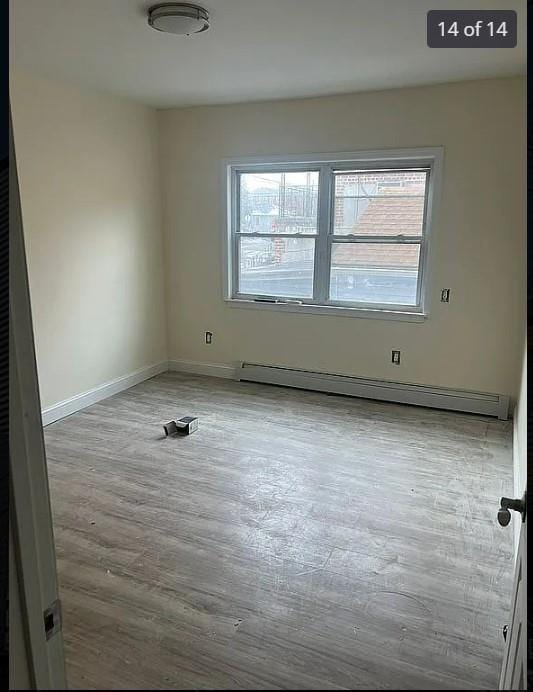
(390, 215)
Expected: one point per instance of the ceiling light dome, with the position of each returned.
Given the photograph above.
(178, 18)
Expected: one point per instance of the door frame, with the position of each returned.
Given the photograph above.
(514, 665)
(30, 512)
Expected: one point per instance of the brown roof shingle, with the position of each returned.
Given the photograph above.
(387, 215)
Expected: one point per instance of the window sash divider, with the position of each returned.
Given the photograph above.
(377, 239)
(322, 247)
(379, 196)
(313, 236)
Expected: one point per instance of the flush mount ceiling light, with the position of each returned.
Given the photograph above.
(178, 18)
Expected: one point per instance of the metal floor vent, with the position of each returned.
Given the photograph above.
(418, 395)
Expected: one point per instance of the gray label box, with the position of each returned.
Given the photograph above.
(471, 28)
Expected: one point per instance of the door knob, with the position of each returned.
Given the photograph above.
(504, 516)
(506, 504)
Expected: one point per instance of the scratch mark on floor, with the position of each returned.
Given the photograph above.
(310, 571)
(328, 559)
(406, 595)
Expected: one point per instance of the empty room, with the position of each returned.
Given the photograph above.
(268, 306)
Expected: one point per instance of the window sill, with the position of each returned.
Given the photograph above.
(332, 310)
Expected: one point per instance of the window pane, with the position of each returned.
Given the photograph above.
(379, 203)
(279, 202)
(374, 272)
(276, 266)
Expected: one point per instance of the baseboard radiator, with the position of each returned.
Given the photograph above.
(418, 395)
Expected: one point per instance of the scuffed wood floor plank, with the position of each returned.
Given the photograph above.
(295, 541)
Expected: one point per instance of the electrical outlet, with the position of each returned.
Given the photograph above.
(445, 295)
(209, 338)
(395, 357)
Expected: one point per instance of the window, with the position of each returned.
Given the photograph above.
(349, 234)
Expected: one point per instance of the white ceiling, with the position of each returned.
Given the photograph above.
(255, 49)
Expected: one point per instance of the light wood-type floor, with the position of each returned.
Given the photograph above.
(295, 541)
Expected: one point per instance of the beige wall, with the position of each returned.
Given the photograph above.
(89, 173)
(473, 343)
(89, 185)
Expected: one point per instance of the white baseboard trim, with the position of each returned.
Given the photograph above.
(488, 404)
(80, 401)
(228, 372)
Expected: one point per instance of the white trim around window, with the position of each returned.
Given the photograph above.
(322, 233)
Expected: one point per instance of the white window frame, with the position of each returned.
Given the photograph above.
(427, 157)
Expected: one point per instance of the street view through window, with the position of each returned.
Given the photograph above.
(373, 246)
